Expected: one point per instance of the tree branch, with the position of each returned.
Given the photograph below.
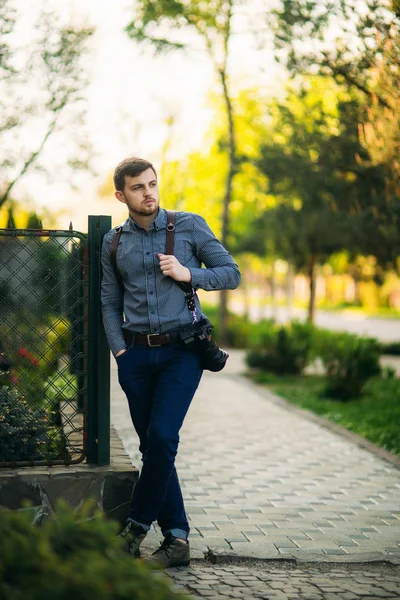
(28, 163)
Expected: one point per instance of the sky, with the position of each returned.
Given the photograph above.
(131, 93)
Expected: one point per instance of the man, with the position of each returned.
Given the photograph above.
(158, 375)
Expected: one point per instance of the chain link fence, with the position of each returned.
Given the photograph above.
(43, 347)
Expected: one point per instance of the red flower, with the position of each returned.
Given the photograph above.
(24, 353)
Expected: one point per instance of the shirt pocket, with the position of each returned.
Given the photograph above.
(182, 250)
(126, 255)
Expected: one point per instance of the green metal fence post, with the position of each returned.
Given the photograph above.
(98, 446)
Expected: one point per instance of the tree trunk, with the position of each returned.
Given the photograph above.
(245, 289)
(272, 282)
(312, 278)
(290, 290)
(223, 306)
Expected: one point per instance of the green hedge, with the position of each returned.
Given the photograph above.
(349, 362)
(392, 348)
(72, 556)
(283, 350)
(242, 332)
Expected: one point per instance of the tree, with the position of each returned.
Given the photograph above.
(42, 81)
(309, 162)
(380, 135)
(357, 44)
(162, 23)
(332, 38)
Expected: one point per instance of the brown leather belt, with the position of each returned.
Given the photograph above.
(153, 340)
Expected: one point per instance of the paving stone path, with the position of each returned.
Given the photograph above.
(263, 482)
(280, 583)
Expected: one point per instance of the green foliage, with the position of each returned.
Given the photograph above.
(304, 44)
(55, 340)
(159, 22)
(198, 183)
(390, 348)
(375, 416)
(61, 386)
(42, 80)
(283, 350)
(349, 362)
(30, 418)
(27, 433)
(51, 259)
(241, 332)
(364, 59)
(310, 162)
(74, 555)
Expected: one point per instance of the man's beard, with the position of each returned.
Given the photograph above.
(146, 211)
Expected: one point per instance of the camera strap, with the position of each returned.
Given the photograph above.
(169, 249)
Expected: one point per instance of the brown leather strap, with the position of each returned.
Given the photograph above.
(169, 249)
(113, 255)
(153, 340)
(170, 237)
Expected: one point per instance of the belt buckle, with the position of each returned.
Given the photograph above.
(150, 335)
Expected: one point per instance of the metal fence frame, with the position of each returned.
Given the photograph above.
(93, 402)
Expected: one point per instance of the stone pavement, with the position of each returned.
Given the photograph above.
(287, 582)
(262, 481)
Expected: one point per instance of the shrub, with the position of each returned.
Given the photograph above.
(390, 348)
(57, 339)
(349, 362)
(27, 433)
(72, 556)
(282, 350)
(238, 327)
(242, 332)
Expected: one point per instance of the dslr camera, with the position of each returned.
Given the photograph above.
(197, 337)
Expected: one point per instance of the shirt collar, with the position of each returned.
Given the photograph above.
(160, 222)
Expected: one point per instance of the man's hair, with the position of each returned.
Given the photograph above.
(132, 167)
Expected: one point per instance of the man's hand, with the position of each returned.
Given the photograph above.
(120, 352)
(171, 267)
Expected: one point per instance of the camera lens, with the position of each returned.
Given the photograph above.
(214, 359)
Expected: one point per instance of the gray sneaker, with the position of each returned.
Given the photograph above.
(133, 535)
(171, 553)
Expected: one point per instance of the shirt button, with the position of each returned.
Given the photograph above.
(151, 293)
(147, 253)
(152, 312)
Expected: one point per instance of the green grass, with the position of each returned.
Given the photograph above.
(376, 416)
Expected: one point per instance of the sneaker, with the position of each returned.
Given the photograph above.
(133, 535)
(171, 553)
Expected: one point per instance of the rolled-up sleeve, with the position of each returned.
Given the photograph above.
(220, 270)
(111, 299)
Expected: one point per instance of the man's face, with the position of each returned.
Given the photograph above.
(141, 194)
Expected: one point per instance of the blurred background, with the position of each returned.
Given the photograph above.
(277, 121)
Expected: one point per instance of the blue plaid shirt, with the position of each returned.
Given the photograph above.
(151, 301)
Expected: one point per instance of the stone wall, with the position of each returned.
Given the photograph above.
(109, 486)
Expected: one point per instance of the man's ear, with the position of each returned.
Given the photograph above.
(120, 196)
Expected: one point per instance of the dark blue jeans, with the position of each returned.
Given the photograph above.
(159, 384)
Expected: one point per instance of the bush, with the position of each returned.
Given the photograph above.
(238, 327)
(72, 556)
(27, 433)
(390, 348)
(282, 350)
(349, 361)
(242, 332)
